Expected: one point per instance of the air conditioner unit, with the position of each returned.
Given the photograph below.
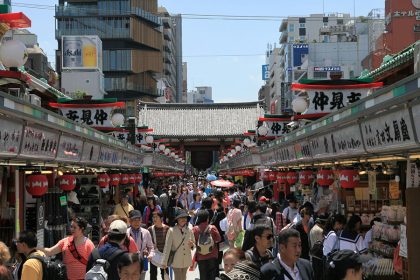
(35, 100)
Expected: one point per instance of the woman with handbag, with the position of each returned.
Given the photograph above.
(75, 248)
(158, 232)
(178, 246)
(235, 230)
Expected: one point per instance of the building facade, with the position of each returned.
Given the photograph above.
(132, 43)
(202, 95)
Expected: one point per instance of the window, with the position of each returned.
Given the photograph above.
(291, 27)
(302, 39)
(302, 31)
(291, 39)
(320, 75)
(301, 25)
(325, 19)
(326, 39)
(325, 24)
(302, 20)
(340, 21)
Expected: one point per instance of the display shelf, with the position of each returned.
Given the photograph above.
(389, 256)
(394, 243)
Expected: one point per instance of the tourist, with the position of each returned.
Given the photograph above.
(243, 270)
(303, 228)
(263, 238)
(75, 249)
(350, 237)
(4, 254)
(235, 225)
(332, 230)
(129, 245)
(150, 208)
(123, 208)
(26, 244)
(291, 211)
(231, 258)
(130, 267)
(345, 265)
(158, 232)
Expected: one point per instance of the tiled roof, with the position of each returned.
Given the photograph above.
(200, 120)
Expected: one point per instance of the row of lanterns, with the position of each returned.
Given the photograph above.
(167, 174)
(166, 151)
(348, 178)
(245, 172)
(37, 184)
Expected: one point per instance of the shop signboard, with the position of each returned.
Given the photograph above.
(277, 128)
(81, 52)
(10, 137)
(286, 154)
(343, 141)
(416, 116)
(303, 150)
(413, 175)
(265, 72)
(109, 156)
(332, 100)
(90, 152)
(70, 148)
(94, 115)
(40, 207)
(391, 131)
(123, 135)
(131, 160)
(39, 143)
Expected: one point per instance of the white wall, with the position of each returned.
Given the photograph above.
(91, 82)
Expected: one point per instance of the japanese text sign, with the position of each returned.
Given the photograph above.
(124, 136)
(277, 128)
(331, 100)
(90, 152)
(10, 137)
(39, 143)
(110, 156)
(70, 148)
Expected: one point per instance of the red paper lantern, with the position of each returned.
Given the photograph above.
(349, 178)
(282, 177)
(132, 178)
(325, 177)
(67, 183)
(124, 179)
(272, 176)
(36, 185)
(103, 180)
(306, 177)
(292, 177)
(114, 179)
(250, 173)
(139, 177)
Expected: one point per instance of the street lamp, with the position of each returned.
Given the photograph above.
(263, 130)
(161, 147)
(299, 104)
(149, 139)
(117, 119)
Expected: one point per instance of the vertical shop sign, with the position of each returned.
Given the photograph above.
(10, 137)
(394, 190)
(303, 150)
(372, 184)
(413, 174)
(40, 206)
(39, 143)
(90, 152)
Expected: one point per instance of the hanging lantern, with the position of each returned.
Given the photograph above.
(139, 177)
(36, 185)
(67, 183)
(282, 177)
(306, 177)
(292, 177)
(125, 179)
(272, 176)
(114, 179)
(132, 178)
(349, 178)
(325, 177)
(103, 180)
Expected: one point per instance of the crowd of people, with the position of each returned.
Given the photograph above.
(231, 233)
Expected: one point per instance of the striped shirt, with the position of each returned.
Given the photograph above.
(160, 236)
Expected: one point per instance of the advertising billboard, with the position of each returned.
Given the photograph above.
(265, 72)
(300, 51)
(81, 52)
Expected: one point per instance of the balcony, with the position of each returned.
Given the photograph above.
(283, 37)
(168, 35)
(283, 26)
(108, 33)
(336, 30)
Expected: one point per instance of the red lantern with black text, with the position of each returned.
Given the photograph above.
(325, 177)
(272, 176)
(36, 185)
(282, 177)
(124, 179)
(132, 178)
(67, 183)
(114, 179)
(349, 178)
(292, 177)
(103, 180)
(139, 178)
(306, 177)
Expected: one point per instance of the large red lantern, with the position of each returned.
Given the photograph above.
(282, 177)
(67, 183)
(103, 180)
(272, 176)
(132, 178)
(325, 177)
(306, 177)
(124, 179)
(139, 177)
(349, 178)
(115, 179)
(292, 177)
(36, 185)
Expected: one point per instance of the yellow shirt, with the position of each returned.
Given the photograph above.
(123, 213)
(32, 268)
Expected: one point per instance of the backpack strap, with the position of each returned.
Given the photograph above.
(95, 255)
(117, 253)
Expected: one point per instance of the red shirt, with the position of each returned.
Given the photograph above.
(216, 239)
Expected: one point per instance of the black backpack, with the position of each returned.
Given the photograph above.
(51, 269)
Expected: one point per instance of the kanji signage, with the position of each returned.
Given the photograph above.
(70, 148)
(95, 115)
(327, 69)
(391, 131)
(90, 152)
(10, 137)
(131, 160)
(109, 156)
(124, 136)
(286, 154)
(413, 174)
(303, 150)
(265, 72)
(39, 143)
(276, 127)
(401, 14)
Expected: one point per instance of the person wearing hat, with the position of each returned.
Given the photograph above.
(345, 265)
(243, 270)
(123, 208)
(180, 239)
(140, 235)
(111, 250)
(291, 211)
(316, 238)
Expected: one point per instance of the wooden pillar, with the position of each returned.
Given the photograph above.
(413, 232)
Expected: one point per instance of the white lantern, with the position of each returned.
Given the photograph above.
(117, 119)
(161, 147)
(247, 142)
(238, 148)
(299, 105)
(13, 53)
(167, 151)
(233, 151)
(149, 139)
(263, 130)
(229, 154)
(225, 158)
(172, 154)
(176, 156)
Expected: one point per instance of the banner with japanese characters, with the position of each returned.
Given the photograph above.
(70, 148)
(390, 131)
(110, 156)
(10, 137)
(303, 150)
(277, 128)
(413, 174)
(124, 135)
(286, 154)
(95, 115)
(39, 143)
(90, 152)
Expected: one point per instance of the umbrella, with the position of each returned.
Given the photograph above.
(211, 177)
(222, 183)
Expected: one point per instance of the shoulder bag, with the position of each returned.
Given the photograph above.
(75, 253)
(157, 258)
(173, 252)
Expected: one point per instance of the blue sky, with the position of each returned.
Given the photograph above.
(206, 43)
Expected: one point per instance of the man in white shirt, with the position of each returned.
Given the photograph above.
(288, 265)
(291, 211)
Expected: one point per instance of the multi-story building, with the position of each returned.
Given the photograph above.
(172, 55)
(184, 82)
(202, 95)
(132, 43)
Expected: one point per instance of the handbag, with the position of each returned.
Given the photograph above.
(173, 252)
(239, 239)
